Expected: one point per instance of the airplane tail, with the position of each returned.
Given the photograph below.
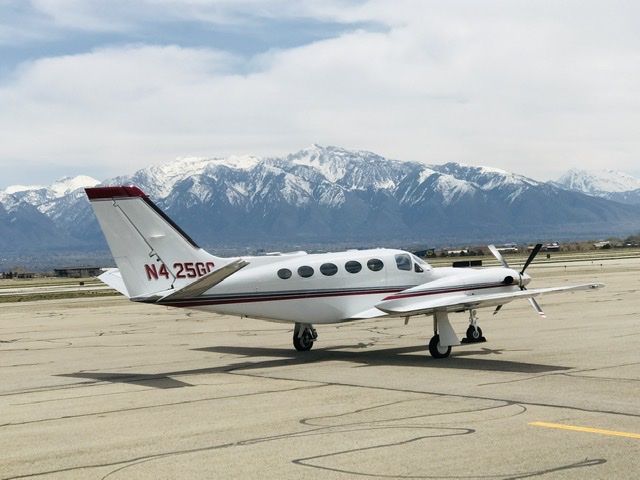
(155, 258)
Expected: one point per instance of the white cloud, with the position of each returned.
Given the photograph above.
(530, 87)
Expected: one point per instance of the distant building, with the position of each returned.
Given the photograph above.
(77, 272)
(551, 247)
(429, 252)
(458, 253)
(467, 263)
(12, 275)
(508, 248)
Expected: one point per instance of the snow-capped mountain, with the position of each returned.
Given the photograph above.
(609, 184)
(29, 215)
(329, 196)
(43, 197)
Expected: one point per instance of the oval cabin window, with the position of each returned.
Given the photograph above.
(284, 273)
(305, 271)
(328, 269)
(375, 264)
(352, 266)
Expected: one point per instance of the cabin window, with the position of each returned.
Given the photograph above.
(284, 273)
(417, 268)
(375, 264)
(403, 262)
(305, 271)
(352, 266)
(328, 269)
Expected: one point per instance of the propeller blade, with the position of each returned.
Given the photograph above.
(533, 254)
(498, 255)
(536, 306)
(497, 309)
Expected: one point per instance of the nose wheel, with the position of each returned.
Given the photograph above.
(303, 337)
(474, 332)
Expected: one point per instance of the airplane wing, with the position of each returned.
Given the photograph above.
(453, 303)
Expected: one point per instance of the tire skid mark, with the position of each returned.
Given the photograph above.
(158, 405)
(454, 395)
(575, 374)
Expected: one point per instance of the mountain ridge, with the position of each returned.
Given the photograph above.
(325, 196)
(607, 183)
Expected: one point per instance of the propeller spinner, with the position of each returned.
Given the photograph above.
(524, 279)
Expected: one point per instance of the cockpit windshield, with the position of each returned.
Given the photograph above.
(421, 262)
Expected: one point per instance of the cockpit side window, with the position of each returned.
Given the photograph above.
(403, 262)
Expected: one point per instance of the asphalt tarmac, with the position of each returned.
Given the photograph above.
(105, 388)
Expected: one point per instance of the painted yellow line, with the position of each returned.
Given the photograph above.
(575, 428)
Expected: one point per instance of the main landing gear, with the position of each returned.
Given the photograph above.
(436, 349)
(303, 336)
(444, 337)
(474, 332)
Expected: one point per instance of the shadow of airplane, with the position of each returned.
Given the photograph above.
(282, 357)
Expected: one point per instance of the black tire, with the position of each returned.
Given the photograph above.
(435, 349)
(304, 342)
(474, 335)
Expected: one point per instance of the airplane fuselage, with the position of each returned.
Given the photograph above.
(338, 286)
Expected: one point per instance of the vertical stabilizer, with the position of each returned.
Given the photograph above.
(152, 253)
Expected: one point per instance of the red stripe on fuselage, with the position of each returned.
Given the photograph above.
(195, 302)
(257, 298)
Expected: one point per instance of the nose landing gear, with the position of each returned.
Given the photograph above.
(303, 336)
(474, 332)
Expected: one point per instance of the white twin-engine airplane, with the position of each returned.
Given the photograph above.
(158, 263)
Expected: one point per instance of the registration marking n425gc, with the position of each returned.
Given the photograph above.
(180, 269)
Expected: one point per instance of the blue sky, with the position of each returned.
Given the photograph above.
(104, 88)
(245, 33)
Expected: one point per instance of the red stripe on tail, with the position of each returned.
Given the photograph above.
(97, 193)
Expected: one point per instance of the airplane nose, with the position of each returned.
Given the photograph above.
(526, 279)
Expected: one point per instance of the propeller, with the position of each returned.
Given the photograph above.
(536, 306)
(498, 255)
(534, 303)
(532, 255)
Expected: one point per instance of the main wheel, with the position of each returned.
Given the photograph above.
(304, 342)
(473, 334)
(436, 350)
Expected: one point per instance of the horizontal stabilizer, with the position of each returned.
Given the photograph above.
(206, 282)
(113, 278)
